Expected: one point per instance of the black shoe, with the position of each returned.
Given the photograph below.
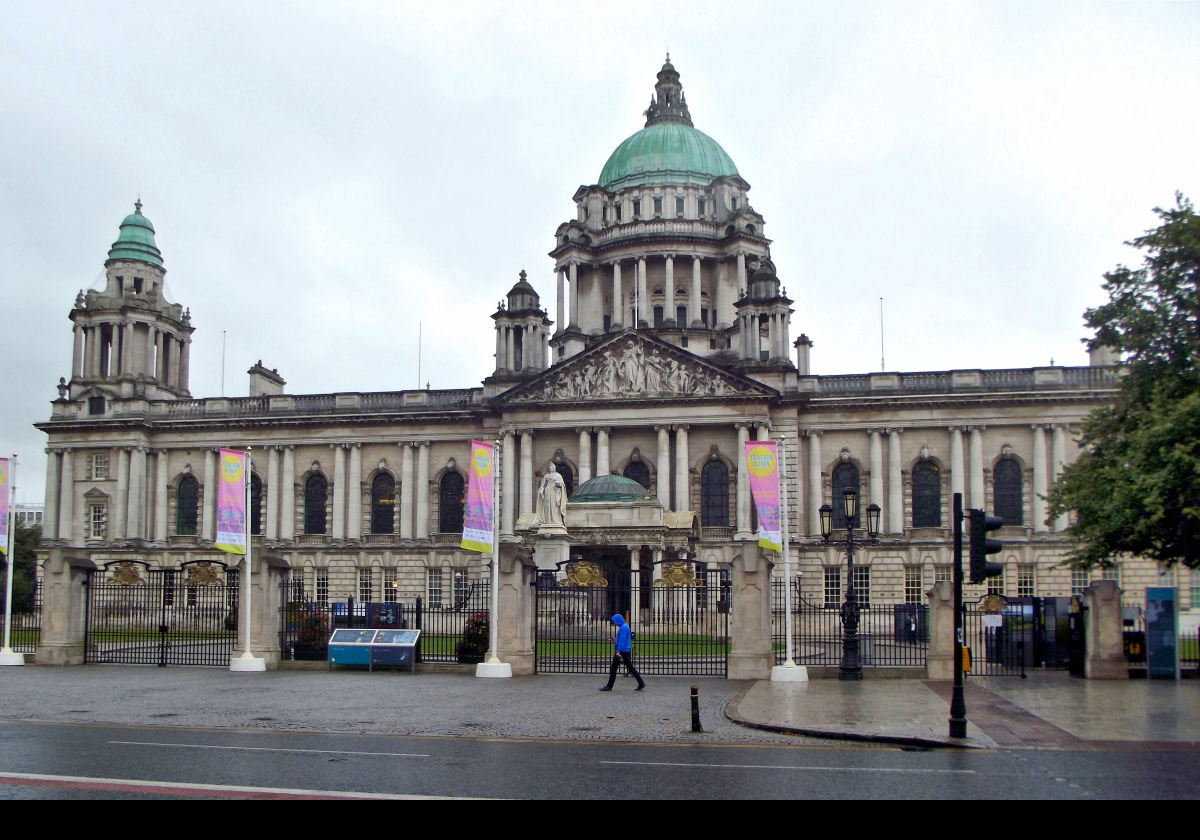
(640, 687)
(606, 688)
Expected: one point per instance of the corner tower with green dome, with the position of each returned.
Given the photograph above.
(130, 341)
(665, 241)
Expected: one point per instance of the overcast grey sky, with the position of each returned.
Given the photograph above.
(329, 179)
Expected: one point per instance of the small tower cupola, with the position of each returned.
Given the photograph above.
(668, 103)
(522, 332)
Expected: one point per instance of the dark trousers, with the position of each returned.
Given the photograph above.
(617, 659)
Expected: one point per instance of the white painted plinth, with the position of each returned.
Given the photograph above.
(494, 669)
(789, 673)
(8, 657)
(247, 663)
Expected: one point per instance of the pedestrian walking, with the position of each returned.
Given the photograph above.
(622, 647)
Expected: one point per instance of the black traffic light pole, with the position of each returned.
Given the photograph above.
(958, 705)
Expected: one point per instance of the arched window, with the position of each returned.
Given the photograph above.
(383, 504)
(450, 509)
(714, 495)
(316, 489)
(845, 476)
(639, 472)
(186, 498)
(1006, 488)
(926, 495)
(568, 477)
(255, 504)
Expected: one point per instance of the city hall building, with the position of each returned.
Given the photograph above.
(669, 346)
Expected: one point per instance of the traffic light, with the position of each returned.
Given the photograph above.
(981, 546)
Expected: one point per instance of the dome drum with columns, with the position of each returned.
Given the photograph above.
(667, 352)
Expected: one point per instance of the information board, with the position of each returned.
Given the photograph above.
(1162, 633)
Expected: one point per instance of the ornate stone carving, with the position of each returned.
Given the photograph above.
(127, 574)
(585, 573)
(677, 573)
(202, 574)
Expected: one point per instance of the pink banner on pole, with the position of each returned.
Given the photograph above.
(3, 505)
(762, 463)
(479, 518)
(231, 502)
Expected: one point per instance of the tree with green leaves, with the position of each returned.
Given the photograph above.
(1135, 488)
(25, 540)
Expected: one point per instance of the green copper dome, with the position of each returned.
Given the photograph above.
(609, 488)
(136, 240)
(666, 152)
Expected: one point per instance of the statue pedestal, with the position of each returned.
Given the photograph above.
(551, 547)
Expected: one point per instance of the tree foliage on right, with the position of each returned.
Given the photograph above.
(1135, 488)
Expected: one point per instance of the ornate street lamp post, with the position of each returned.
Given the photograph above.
(851, 667)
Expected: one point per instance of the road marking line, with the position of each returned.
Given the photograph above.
(193, 789)
(787, 767)
(265, 749)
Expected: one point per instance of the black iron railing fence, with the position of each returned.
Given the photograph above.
(451, 631)
(890, 635)
(26, 625)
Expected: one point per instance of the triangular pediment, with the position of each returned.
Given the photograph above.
(632, 366)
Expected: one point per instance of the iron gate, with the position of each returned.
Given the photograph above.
(136, 615)
(680, 623)
(1009, 636)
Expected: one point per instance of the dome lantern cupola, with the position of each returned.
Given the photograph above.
(668, 103)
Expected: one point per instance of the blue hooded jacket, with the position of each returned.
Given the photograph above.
(624, 643)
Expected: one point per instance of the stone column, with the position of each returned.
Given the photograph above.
(669, 293)
(797, 503)
(407, 488)
(121, 503)
(682, 461)
(339, 491)
(184, 361)
(618, 307)
(287, 496)
(77, 356)
(635, 579)
(815, 490)
(895, 502)
(939, 662)
(876, 485)
(694, 297)
(750, 655)
(743, 484)
(274, 489)
(957, 471)
(741, 273)
(510, 360)
(977, 497)
(603, 463)
(50, 514)
(642, 302)
(515, 608)
(354, 490)
(562, 300)
(574, 319)
(721, 299)
(422, 491)
(508, 484)
(137, 493)
(1105, 658)
(663, 466)
(160, 496)
(525, 488)
(160, 367)
(209, 531)
(585, 454)
(1040, 484)
(66, 501)
(500, 360)
(1058, 457)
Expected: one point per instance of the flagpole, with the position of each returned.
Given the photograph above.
(493, 667)
(247, 661)
(7, 655)
(788, 671)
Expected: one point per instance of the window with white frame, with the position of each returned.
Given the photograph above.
(1026, 581)
(322, 589)
(462, 589)
(97, 521)
(433, 588)
(1196, 596)
(943, 572)
(995, 585)
(365, 593)
(99, 466)
(833, 588)
(1080, 580)
(862, 585)
(914, 591)
(391, 586)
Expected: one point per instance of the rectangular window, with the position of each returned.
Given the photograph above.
(365, 593)
(833, 589)
(1196, 596)
(943, 573)
(658, 317)
(433, 588)
(322, 587)
(913, 590)
(678, 205)
(168, 589)
(95, 405)
(97, 522)
(1080, 580)
(391, 587)
(681, 315)
(1026, 581)
(617, 209)
(862, 586)
(658, 205)
(995, 585)
(637, 208)
(99, 467)
(733, 202)
(462, 589)
(700, 207)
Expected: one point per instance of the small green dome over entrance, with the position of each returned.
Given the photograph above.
(666, 152)
(136, 240)
(609, 488)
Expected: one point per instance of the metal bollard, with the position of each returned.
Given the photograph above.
(696, 727)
